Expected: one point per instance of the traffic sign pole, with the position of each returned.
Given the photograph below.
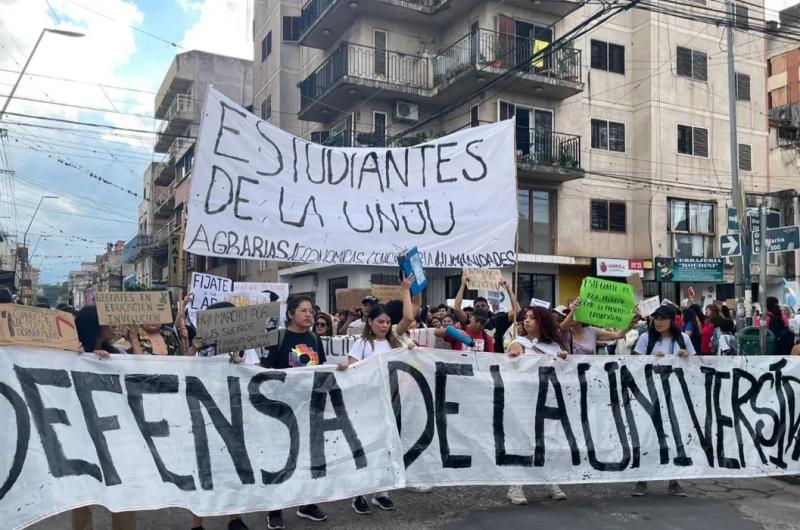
(762, 280)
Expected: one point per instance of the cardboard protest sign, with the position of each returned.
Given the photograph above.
(133, 307)
(238, 328)
(258, 192)
(206, 289)
(346, 298)
(384, 293)
(731, 303)
(635, 281)
(36, 326)
(605, 303)
(483, 279)
(535, 302)
(648, 305)
(252, 293)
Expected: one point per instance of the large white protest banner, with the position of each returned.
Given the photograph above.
(259, 193)
(138, 433)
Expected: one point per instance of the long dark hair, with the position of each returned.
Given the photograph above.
(701, 316)
(547, 325)
(376, 311)
(88, 325)
(776, 323)
(716, 315)
(653, 336)
(689, 315)
(293, 303)
(328, 322)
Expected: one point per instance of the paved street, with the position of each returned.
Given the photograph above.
(754, 504)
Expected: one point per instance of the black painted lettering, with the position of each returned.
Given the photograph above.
(239, 199)
(651, 406)
(23, 422)
(426, 437)
(224, 108)
(444, 407)
(284, 414)
(501, 456)
(616, 411)
(547, 379)
(277, 157)
(480, 160)
(441, 160)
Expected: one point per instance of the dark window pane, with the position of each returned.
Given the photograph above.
(699, 66)
(599, 134)
(741, 18)
(523, 207)
(684, 140)
(542, 236)
(320, 137)
(616, 136)
(678, 216)
(380, 53)
(745, 157)
(616, 216)
(616, 58)
(599, 215)
(473, 117)
(599, 55)
(263, 49)
(684, 62)
(742, 87)
(700, 141)
(506, 110)
(269, 43)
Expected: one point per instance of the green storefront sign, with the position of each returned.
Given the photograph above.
(689, 270)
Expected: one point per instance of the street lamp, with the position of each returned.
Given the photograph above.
(61, 32)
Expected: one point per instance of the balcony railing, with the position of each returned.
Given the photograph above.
(366, 63)
(133, 248)
(313, 9)
(548, 148)
(182, 103)
(484, 49)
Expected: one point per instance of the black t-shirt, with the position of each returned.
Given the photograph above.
(296, 346)
(500, 325)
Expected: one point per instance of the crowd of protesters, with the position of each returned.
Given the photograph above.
(520, 331)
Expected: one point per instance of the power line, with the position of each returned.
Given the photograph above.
(99, 125)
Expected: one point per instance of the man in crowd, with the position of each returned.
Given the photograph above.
(354, 325)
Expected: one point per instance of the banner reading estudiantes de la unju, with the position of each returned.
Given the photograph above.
(258, 192)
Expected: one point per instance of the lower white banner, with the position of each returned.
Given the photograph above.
(141, 433)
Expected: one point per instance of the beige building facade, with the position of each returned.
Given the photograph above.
(623, 143)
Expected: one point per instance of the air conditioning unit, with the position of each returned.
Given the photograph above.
(405, 111)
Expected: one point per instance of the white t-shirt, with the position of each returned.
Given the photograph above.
(251, 356)
(726, 342)
(667, 346)
(362, 349)
(356, 327)
(534, 347)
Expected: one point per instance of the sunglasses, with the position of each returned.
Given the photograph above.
(322, 324)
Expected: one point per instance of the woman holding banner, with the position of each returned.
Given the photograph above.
(582, 339)
(663, 338)
(376, 339)
(540, 336)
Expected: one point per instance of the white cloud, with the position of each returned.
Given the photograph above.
(189, 6)
(224, 27)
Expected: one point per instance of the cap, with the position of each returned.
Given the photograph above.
(664, 311)
(561, 310)
(481, 314)
(369, 299)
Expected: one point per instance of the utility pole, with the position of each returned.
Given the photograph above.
(741, 265)
(762, 278)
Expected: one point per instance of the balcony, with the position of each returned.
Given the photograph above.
(164, 172)
(354, 72)
(165, 201)
(483, 55)
(548, 156)
(323, 21)
(175, 121)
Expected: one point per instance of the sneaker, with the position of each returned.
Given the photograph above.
(516, 495)
(676, 489)
(275, 520)
(311, 512)
(384, 503)
(419, 489)
(640, 490)
(360, 505)
(237, 524)
(554, 490)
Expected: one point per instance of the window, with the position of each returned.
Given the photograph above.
(333, 284)
(693, 64)
(242, 267)
(740, 17)
(266, 47)
(607, 56)
(745, 157)
(320, 137)
(693, 141)
(691, 229)
(263, 265)
(608, 216)
(379, 42)
(540, 286)
(473, 116)
(291, 29)
(742, 87)
(379, 123)
(266, 108)
(535, 227)
(608, 135)
(451, 286)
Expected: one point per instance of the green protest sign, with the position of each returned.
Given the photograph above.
(606, 304)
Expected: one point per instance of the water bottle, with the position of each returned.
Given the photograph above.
(458, 335)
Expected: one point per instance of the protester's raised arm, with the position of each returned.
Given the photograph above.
(409, 311)
(515, 309)
(461, 316)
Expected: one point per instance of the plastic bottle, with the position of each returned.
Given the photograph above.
(459, 335)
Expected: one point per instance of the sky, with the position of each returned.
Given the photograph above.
(116, 68)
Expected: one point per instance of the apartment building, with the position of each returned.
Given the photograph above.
(82, 284)
(178, 104)
(623, 148)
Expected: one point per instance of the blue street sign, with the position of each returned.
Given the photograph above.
(730, 245)
(783, 239)
(733, 220)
